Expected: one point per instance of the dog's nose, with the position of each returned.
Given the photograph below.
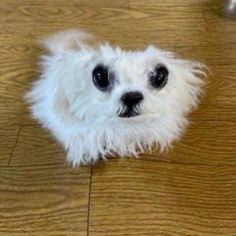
(132, 98)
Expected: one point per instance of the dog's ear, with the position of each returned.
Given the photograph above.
(68, 40)
(63, 69)
(192, 78)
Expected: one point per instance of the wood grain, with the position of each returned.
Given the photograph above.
(138, 197)
(35, 146)
(204, 142)
(95, 20)
(8, 138)
(46, 200)
(152, 4)
(222, 31)
(79, 3)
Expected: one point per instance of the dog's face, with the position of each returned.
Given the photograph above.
(112, 85)
(129, 84)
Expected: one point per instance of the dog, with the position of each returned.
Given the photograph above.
(99, 100)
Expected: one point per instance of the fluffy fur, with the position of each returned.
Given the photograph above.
(85, 121)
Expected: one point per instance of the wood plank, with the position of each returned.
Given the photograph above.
(78, 3)
(8, 139)
(223, 30)
(217, 27)
(157, 27)
(137, 197)
(153, 4)
(222, 57)
(37, 14)
(209, 142)
(15, 79)
(46, 200)
(35, 146)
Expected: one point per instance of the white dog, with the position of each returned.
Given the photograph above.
(99, 100)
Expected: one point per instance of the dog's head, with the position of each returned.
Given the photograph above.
(103, 85)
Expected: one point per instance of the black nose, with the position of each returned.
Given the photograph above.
(132, 98)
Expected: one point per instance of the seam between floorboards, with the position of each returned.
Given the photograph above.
(157, 161)
(89, 196)
(14, 146)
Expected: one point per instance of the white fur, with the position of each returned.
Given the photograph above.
(85, 120)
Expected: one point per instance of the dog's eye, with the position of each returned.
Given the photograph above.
(102, 78)
(158, 78)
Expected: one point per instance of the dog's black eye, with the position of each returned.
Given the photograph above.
(158, 78)
(102, 78)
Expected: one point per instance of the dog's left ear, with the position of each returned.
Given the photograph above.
(192, 78)
(67, 40)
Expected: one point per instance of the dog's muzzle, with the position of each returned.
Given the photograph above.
(131, 102)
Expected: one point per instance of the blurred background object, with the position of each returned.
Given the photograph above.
(229, 8)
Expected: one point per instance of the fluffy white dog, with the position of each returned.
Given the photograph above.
(100, 100)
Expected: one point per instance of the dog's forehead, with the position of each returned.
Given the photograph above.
(129, 65)
(127, 59)
(130, 69)
(132, 62)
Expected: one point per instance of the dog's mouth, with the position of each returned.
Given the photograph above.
(129, 112)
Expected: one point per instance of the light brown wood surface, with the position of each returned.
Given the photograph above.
(191, 190)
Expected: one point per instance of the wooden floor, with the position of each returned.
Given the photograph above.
(189, 191)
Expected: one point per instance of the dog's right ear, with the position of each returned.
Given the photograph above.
(68, 40)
